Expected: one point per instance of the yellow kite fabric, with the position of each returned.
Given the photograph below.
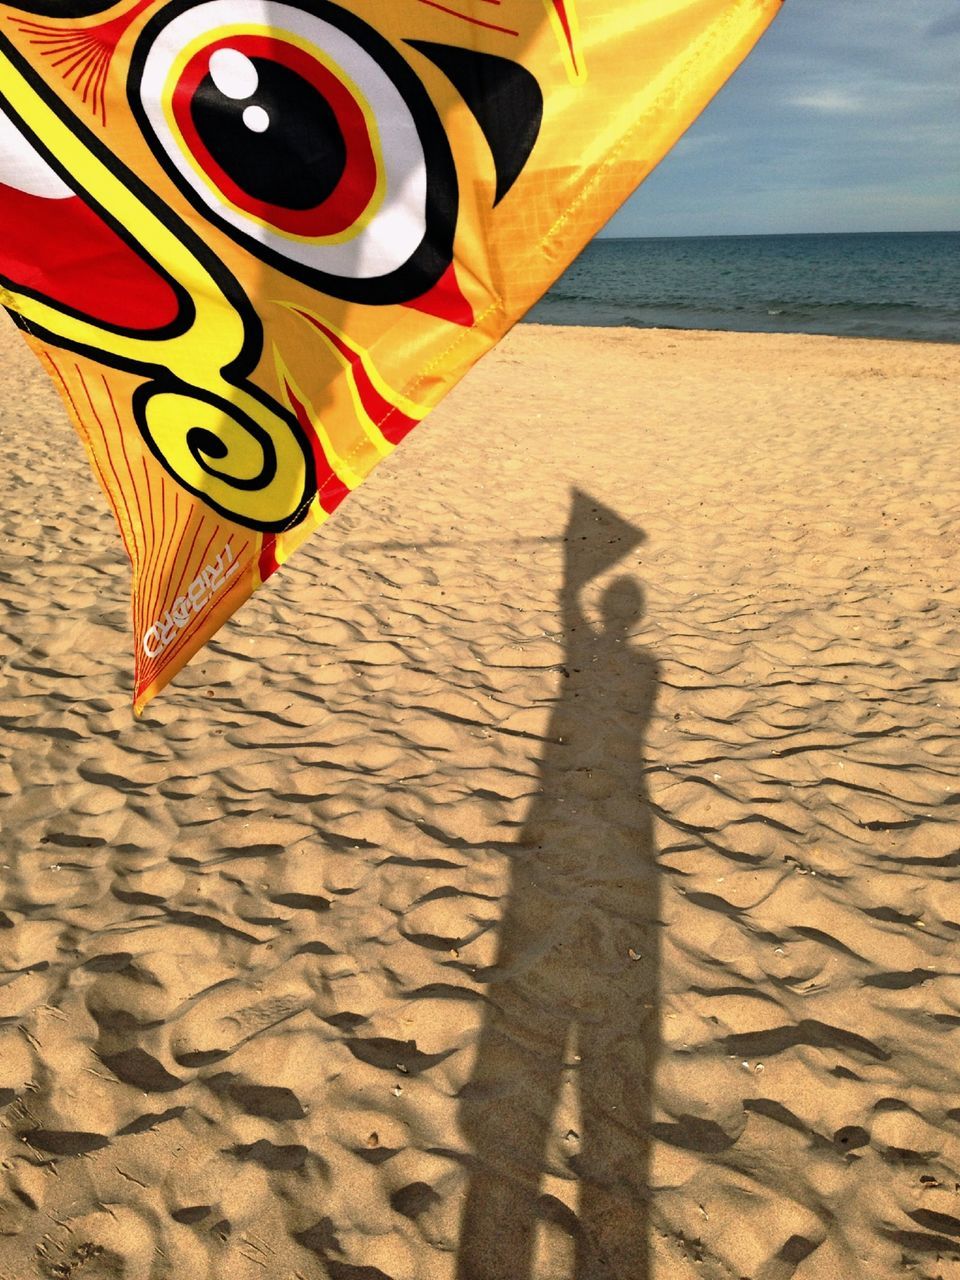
(254, 242)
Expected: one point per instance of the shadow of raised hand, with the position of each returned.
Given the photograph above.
(573, 990)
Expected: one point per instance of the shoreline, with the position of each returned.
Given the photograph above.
(903, 286)
(792, 333)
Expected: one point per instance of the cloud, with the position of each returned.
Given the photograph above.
(830, 100)
(947, 26)
(699, 141)
(844, 118)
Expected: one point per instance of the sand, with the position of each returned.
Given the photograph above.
(552, 873)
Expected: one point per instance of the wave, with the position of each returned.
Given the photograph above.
(884, 285)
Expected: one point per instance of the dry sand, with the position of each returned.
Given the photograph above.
(459, 893)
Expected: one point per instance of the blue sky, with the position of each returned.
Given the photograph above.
(846, 117)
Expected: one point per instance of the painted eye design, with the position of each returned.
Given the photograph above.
(43, 218)
(307, 137)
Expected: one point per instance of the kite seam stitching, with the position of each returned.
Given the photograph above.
(611, 157)
(407, 392)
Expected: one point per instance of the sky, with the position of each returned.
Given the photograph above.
(846, 117)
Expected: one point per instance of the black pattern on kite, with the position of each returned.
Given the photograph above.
(506, 101)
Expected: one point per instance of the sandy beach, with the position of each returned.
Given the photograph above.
(550, 875)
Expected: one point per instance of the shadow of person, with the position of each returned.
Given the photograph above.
(573, 990)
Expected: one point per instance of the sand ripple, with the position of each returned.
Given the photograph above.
(526, 883)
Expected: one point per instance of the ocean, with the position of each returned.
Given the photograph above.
(878, 285)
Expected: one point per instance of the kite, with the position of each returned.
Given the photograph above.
(254, 242)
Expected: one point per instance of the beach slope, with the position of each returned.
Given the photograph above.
(550, 873)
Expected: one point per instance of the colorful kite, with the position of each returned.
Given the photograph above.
(255, 241)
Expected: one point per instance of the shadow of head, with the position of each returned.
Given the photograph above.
(622, 606)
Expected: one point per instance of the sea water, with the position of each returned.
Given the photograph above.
(871, 285)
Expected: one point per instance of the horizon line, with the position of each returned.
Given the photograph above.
(759, 235)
